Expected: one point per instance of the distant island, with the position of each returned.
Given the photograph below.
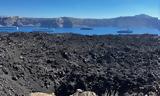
(141, 20)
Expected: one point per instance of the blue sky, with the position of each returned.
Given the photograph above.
(79, 8)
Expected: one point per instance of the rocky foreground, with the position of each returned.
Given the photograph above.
(62, 63)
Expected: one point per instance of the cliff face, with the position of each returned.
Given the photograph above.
(67, 22)
(17, 21)
(130, 21)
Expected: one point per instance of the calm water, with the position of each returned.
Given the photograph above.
(95, 31)
(108, 30)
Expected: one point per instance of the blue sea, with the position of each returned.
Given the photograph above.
(95, 31)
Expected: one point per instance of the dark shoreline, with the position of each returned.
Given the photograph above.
(62, 63)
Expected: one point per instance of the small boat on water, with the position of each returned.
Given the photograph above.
(125, 31)
(86, 28)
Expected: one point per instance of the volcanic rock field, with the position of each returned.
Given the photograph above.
(63, 63)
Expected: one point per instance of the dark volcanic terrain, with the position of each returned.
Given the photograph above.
(62, 63)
